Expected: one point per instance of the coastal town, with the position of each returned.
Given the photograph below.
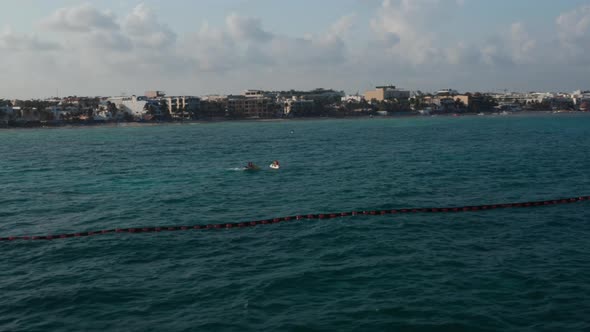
(387, 100)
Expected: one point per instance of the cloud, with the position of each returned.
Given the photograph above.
(308, 51)
(246, 28)
(573, 29)
(212, 49)
(575, 23)
(144, 29)
(113, 41)
(522, 45)
(402, 28)
(343, 25)
(14, 42)
(404, 42)
(82, 18)
(242, 42)
(463, 54)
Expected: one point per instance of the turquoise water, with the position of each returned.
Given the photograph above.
(500, 270)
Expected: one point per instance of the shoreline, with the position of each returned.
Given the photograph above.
(41, 125)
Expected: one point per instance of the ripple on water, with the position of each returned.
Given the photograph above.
(500, 270)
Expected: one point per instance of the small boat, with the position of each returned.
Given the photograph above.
(251, 167)
(275, 165)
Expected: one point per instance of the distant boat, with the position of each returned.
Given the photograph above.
(251, 168)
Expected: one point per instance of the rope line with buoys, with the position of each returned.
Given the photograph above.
(137, 230)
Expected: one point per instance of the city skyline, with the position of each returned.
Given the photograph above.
(198, 48)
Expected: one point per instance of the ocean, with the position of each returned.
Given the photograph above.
(499, 270)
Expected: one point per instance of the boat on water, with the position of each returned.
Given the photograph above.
(275, 165)
(251, 167)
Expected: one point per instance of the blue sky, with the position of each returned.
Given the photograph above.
(225, 46)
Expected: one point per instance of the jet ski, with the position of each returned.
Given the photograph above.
(251, 167)
(275, 165)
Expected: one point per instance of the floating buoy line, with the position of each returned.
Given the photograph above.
(156, 229)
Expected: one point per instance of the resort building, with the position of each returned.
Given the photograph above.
(135, 105)
(154, 94)
(251, 107)
(255, 94)
(297, 106)
(388, 92)
(446, 92)
(353, 98)
(182, 106)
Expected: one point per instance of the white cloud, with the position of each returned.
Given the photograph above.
(522, 45)
(244, 43)
(343, 25)
(309, 51)
(574, 24)
(13, 42)
(402, 27)
(246, 28)
(404, 45)
(110, 41)
(81, 18)
(573, 30)
(213, 49)
(145, 30)
(463, 54)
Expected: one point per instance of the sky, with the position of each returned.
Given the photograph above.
(199, 47)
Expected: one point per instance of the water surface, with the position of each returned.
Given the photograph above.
(500, 270)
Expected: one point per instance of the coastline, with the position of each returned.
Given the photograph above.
(41, 125)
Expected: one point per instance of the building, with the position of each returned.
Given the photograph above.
(251, 107)
(255, 94)
(212, 108)
(136, 106)
(465, 99)
(6, 113)
(154, 94)
(298, 107)
(353, 98)
(388, 92)
(26, 114)
(446, 92)
(182, 106)
(215, 98)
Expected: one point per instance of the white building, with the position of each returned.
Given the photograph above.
(451, 92)
(254, 94)
(182, 103)
(134, 105)
(580, 96)
(353, 98)
(297, 106)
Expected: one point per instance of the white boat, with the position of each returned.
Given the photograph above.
(275, 165)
